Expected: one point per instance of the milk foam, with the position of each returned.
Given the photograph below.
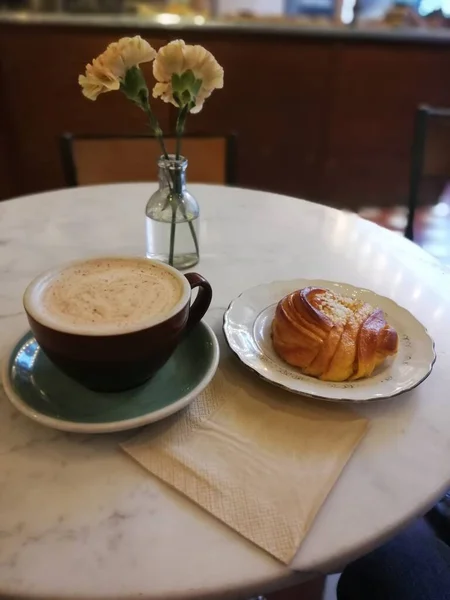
(116, 294)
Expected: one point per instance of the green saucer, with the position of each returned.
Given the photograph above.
(43, 393)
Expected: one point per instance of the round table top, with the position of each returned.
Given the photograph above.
(80, 519)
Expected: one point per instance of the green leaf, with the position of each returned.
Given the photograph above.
(185, 88)
(176, 97)
(134, 85)
(186, 97)
(188, 78)
(177, 83)
(196, 87)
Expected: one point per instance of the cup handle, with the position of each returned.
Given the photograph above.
(201, 303)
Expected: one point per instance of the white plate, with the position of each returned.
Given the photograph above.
(247, 325)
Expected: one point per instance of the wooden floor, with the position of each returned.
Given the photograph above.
(432, 225)
(311, 590)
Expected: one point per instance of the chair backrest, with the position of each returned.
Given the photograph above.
(89, 160)
(430, 154)
(436, 157)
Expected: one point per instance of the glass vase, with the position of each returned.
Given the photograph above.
(172, 216)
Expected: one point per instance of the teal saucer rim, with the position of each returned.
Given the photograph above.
(110, 427)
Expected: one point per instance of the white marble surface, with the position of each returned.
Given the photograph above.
(78, 519)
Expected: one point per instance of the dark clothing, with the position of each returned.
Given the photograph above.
(415, 565)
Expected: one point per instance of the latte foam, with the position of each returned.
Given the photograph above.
(106, 295)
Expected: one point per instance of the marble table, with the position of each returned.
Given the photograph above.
(79, 519)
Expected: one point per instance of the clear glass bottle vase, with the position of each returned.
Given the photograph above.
(172, 216)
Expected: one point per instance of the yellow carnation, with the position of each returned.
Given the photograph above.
(176, 58)
(108, 70)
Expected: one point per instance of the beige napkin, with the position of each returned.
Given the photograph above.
(259, 459)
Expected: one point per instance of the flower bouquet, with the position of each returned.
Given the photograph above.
(185, 77)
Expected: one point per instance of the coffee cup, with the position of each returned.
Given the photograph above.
(111, 322)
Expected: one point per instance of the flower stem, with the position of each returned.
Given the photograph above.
(194, 237)
(154, 124)
(181, 120)
(172, 233)
(176, 195)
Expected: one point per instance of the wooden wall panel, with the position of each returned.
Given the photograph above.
(39, 81)
(319, 118)
(377, 90)
(275, 98)
(6, 145)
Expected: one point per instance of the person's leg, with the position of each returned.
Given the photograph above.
(439, 518)
(413, 566)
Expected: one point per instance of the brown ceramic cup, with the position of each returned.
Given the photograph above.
(117, 361)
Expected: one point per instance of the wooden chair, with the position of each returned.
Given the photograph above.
(430, 154)
(90, 160)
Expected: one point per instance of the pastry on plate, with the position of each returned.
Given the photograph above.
(331, 337)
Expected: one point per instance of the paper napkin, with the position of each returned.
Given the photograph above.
(259, 459)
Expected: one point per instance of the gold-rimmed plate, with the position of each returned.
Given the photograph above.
(247, 328)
